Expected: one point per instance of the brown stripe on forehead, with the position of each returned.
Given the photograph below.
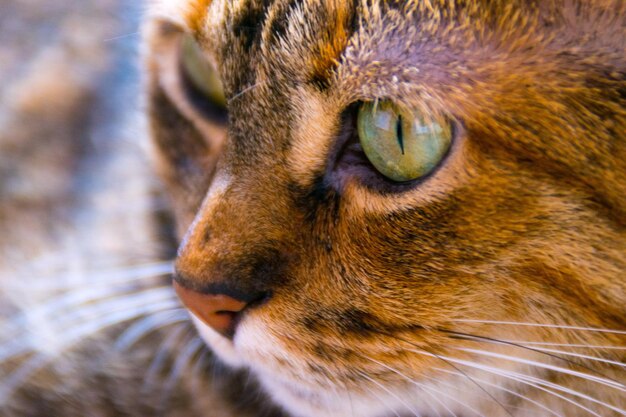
(307, 37)
(248, 21)
(338, 21)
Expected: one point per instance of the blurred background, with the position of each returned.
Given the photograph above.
(81, 220)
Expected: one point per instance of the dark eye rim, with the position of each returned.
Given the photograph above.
(348, 162)
(215, 112)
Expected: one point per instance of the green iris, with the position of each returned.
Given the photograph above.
(401, 144)
(200, 71)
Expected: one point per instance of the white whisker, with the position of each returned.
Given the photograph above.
(417, 384)
(521, 378)
(579, 355)
(116, 276)
(183, 359)
(385, 403)
(474, 379)
(160, 357)
(90, 328)
(516, 394)
(88, 322)
(593, 378)
(553, 326)
(526, 380)
(245, 90)
(41, 316)
(139, 299)
(151, 323)
(381, 386)
(570, 345)
(197, 368)
(425, 388)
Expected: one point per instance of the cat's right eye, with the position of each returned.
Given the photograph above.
(402, 144)
(200, 72)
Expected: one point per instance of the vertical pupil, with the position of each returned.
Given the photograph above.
(399, 133)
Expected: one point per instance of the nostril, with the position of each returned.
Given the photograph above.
(220, 311)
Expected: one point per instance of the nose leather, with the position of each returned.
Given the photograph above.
(219, 311)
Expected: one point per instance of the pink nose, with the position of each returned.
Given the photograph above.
(218, 311)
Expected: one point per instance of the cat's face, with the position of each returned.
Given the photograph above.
(382, 297)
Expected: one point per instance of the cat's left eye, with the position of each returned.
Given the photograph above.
(200, 72)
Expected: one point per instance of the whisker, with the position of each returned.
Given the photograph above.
(428, 390)
(149, 324)
(385, 403)
(39, 361)
(553, 326)
(121, 36)
(441, 358)
(142, 298)
(42, 315)
(160, 357)
(579, 355)
(477, 338)
(516, 394)
(526, 380)
(111, 277)
(570, 345)
(441, 382)
(424, 387)
(80, 332)
(599, 380)
(183, 359)
(417, 384)
(182, 362)
(199, 364)
(245, 90)
(381, 386)
(98, 317)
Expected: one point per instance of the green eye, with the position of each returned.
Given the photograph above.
(200, 71)
(401, 144)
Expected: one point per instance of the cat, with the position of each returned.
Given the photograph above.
(383, 208)
(403, 207)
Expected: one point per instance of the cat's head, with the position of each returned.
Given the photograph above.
(389, 187)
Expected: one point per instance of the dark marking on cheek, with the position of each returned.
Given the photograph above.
(355, 321)
(318, 369)
(322, 352)
(310, 323)
(317, 202)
